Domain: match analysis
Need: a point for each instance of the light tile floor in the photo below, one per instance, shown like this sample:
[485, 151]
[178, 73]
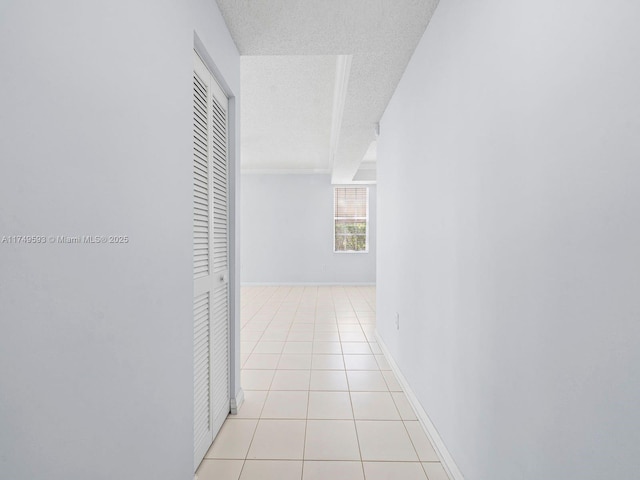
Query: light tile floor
[321, 402]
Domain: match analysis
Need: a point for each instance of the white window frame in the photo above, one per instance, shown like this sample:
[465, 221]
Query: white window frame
[333, 238]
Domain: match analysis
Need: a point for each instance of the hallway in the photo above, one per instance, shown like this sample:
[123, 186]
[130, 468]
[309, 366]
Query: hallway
[321, 401]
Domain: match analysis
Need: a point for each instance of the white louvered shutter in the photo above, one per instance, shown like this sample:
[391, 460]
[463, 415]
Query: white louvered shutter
[220, 257]
[210, 259]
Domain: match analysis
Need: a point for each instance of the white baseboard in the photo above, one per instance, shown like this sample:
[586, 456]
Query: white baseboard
[237, 402]
[285, 171]
[307, 284]
[427, 425]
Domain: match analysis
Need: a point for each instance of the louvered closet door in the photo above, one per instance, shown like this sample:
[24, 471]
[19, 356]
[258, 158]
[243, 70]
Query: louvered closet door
[210, 259]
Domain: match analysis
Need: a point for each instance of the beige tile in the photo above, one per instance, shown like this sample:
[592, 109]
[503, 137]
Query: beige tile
[426, 452]
[262, 361]
[271, 470]
[392, 381]
[300, 337]
[290, 305]
[330, 405]
[345, 308]
[219, 469]
[326, 321]
[366, 381]
[256, 379]
[404, 407]
[326, 337]
[348, 320]
[309, 312]
[303, 319]
[385, 441]
[291, 380]
[252, 405]
[363, 308]
[282, 324]
[349, 328]
[327, 470]
[295, 361]
[250, 336]
[286, 405]
[282, 321]
[278, 440]
[254, 326]
[331, 440]
[368, 321]
[356, 348]
[327, 362]
[353, 337]
[268, 347]
[298, 347]
[299, 326]
[360, 362]
[314, 320]
[382, 362]
[370, 335]
[394, 470]
[326, 327]
[435, 471]
[275, 335]
[325, 302]
[367, 329]
[374, 406]
[346, 312]
[233, 440]
[333, 380]
[327, 347]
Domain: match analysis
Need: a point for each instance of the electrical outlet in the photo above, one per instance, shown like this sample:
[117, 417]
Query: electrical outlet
[397, 321]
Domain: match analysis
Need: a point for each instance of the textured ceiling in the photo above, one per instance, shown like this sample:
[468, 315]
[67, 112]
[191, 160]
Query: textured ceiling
[288, 109]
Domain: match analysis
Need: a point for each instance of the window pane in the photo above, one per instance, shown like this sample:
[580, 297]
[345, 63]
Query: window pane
[350, 202]
[351, 218]
[350, 243]
[348, 226]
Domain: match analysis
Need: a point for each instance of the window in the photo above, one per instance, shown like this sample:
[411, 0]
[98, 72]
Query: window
[351, 219]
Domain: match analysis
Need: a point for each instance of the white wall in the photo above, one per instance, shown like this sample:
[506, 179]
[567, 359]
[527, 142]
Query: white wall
[95, 139]
[287, 232]
[509, 235]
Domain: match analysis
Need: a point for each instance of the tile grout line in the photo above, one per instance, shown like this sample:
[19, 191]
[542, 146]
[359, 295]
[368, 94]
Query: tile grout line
[362, 329]
[355, 425]
[263, 405]
[304, 437]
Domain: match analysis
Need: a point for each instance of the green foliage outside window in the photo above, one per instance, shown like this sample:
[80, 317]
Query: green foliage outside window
[351, 243]
[350, 219]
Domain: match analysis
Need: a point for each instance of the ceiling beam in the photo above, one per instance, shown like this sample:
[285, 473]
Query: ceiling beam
[343, 69]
